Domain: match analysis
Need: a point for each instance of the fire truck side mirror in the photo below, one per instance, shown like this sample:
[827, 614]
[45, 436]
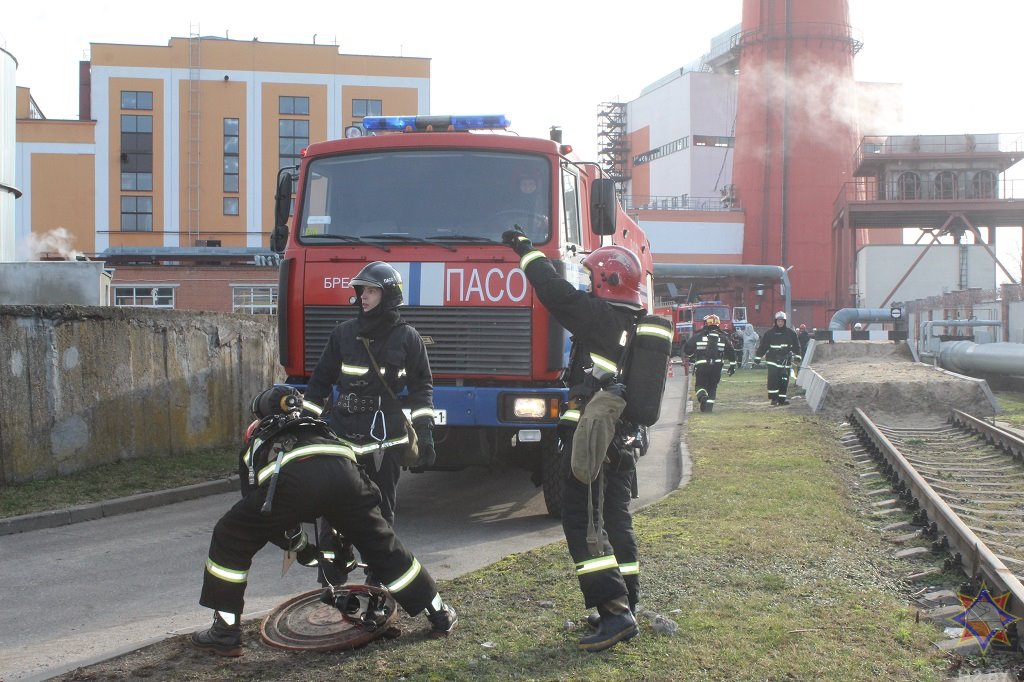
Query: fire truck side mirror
[603, 205]
[282, 209]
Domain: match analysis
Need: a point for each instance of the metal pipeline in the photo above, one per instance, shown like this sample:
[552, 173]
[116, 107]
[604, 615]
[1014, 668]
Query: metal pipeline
[967, 357]
[925, 342]
[846, 316]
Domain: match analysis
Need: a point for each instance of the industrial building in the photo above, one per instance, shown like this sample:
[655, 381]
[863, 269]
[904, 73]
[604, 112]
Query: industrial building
[168, 174]
[757, 155]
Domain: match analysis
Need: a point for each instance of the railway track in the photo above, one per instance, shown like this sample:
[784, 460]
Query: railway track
[964, 483]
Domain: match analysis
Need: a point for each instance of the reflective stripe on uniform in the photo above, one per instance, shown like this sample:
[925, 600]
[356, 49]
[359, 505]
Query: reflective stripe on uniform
[406, 578]
[654, 330]
[372, 447]
[529, 258]
[306, 451]
[226, 574]
[632, 568]
[599, 564]
[570, 416]
[603, 367]
[354, 370]
[422, 412]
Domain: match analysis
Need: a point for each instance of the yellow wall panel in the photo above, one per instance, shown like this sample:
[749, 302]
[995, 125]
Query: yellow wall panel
[64, 195]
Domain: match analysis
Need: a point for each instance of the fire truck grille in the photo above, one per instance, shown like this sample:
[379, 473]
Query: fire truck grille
[480, 341]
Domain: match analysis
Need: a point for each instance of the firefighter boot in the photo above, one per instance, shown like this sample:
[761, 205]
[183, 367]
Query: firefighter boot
[594, 619]
[443, 620]
[702, 398]
[221, 639]
[617, 625]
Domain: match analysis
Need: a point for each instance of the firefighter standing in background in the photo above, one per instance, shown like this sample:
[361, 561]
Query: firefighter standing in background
[750, 339]
[780, 350]
[600, 322]
[804, 337]
[355, 402]
[709, 349]
[307, 472]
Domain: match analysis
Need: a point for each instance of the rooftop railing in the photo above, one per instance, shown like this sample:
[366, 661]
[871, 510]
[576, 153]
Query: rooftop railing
[636, 202]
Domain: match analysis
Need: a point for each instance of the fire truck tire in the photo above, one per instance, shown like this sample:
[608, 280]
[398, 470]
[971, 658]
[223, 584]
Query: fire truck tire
[553, 483]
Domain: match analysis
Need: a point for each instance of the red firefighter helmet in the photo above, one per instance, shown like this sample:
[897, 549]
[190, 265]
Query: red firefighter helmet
[616, 275]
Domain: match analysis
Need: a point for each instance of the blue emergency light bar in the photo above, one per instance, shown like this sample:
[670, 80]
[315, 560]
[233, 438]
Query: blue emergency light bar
[420, 123]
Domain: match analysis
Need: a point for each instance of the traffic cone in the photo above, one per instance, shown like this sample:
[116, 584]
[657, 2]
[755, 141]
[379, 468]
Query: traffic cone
[670, 371]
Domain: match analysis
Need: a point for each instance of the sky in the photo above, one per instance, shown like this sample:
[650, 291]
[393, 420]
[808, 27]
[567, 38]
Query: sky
[553, 62]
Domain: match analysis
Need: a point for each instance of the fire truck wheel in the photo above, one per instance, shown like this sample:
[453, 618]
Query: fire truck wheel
[554, 484]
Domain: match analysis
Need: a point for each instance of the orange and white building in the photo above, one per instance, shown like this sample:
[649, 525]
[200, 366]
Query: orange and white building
[168, 175]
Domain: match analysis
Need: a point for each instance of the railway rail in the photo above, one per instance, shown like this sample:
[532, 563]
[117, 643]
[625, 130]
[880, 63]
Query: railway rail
[964, 483]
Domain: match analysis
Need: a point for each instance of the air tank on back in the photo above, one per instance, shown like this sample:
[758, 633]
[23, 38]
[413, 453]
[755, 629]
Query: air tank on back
[795, 140]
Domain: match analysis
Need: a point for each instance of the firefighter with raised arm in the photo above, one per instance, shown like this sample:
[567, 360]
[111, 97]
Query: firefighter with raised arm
[295, 470]
[780, 350]
[600, 321]
[710, 350]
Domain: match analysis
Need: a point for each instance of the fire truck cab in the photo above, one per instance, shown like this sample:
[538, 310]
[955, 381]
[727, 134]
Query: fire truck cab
[431, 195]
[691, 317]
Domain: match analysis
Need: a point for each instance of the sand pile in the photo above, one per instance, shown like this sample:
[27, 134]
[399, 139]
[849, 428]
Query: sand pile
[881, 378]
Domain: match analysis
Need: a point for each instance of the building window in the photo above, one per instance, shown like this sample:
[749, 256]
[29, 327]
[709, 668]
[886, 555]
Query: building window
[945, 185]
[713, 141]
[136, 214]
[908, 186]
[230, 205]
[366, 107]
[984, 185]
[133, 99]
[136, 153]
[137, 182]
[293, 137]
[231, 160]
[293, 105]
[257, 299]
[146, 295]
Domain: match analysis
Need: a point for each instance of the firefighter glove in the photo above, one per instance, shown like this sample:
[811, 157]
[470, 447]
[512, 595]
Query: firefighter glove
[732, 369]
[518, 240]
[427, 455]
[757, 362]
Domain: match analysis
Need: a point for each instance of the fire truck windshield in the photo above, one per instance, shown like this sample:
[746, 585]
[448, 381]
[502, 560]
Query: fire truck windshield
[409, 196]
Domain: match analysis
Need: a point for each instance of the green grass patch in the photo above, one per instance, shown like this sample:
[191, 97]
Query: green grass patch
[1012, 404]
[109, 481]
[763, 561]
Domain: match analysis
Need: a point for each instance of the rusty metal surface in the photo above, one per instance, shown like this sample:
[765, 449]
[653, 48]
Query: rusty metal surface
[304, 623]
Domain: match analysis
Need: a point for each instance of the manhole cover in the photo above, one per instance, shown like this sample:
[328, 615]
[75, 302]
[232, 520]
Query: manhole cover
[304, 623]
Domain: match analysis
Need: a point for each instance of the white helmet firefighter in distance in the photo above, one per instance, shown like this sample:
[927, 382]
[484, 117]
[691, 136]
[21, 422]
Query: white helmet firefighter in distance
[781, 315]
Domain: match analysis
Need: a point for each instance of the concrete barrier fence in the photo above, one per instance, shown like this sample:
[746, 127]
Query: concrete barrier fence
[82, 386]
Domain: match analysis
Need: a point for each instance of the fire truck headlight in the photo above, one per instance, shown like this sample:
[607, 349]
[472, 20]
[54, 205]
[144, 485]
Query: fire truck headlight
[529, 408]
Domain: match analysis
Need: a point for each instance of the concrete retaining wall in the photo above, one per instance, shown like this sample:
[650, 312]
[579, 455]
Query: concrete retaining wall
[82, 385]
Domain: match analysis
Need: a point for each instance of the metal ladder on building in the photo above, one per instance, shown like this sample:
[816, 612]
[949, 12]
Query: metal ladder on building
[193, 160]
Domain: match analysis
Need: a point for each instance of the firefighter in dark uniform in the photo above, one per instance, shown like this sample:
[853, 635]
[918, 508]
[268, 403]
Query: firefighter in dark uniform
[293, 471]
[710, 350]
[780, 350]
[354, 401]
[600, 322]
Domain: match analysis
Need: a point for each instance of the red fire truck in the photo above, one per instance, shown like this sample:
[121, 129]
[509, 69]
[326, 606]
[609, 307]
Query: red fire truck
[432, 199]
[691, 317]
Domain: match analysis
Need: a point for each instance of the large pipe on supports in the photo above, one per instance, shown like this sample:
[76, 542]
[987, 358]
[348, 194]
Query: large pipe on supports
[925, 339]
[765, 272]
[846, 316]
[967, 357]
